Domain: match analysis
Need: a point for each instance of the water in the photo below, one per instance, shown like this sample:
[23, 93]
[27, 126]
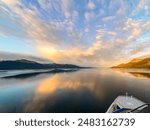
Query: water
[90, 90]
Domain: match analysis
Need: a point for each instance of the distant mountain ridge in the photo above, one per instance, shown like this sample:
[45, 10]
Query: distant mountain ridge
[27, 64]
[136, 63]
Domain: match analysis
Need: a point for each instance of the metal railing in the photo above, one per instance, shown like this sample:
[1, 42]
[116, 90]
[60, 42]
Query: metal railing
[142, 106]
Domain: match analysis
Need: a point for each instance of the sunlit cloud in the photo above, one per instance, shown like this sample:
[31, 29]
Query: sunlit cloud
[74, 55]
[15, 56]
[11, 2]
[93, 33]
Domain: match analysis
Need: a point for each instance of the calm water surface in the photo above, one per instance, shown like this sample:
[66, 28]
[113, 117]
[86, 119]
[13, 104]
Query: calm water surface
[91, 90]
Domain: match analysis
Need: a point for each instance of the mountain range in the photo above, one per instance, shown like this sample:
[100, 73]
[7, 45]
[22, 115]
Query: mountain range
[28, 64]
[136, 63]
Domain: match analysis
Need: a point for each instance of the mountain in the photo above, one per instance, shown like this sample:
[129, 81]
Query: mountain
[27, 64]
[136, 63]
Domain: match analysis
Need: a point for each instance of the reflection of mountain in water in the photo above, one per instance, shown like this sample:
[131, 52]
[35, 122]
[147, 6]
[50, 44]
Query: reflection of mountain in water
[37, 68]
[140, 74]
[32, 74]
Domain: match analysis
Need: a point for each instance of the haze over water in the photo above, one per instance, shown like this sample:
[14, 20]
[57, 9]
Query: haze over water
[87, 90]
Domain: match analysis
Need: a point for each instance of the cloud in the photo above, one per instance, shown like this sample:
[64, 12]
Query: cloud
[112, 33]
[73, 34]
[89, 15]
[11, 2]
[67, 7]
[86, 30]
[135, 28]
[40, 31]
[139, 48]
[16, 56]
[122, 41]
[91, 5]
[94, 33]
[140, 6]
[9, 22]
[75, 55]
[108, 18]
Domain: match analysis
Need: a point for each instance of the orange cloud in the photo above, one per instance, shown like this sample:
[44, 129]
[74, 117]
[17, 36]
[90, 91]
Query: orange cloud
[75, 55]
[10, 2]
[109, 47]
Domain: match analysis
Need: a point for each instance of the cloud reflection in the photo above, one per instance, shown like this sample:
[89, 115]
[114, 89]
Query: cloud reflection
[54, 83]
[59, 87]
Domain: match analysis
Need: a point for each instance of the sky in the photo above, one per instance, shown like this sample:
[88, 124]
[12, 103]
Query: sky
[82, 32]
